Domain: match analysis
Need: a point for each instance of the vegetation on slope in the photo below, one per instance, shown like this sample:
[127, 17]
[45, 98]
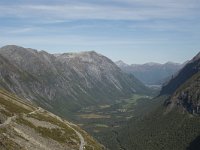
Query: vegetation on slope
[158, 130]
[24, 125]
[104, 121]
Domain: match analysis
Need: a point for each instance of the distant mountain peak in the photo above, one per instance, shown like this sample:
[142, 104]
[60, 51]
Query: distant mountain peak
[78, 54]
[120, 63]
[152, 64]
[84, 57]
[197, 57]
[171, 63]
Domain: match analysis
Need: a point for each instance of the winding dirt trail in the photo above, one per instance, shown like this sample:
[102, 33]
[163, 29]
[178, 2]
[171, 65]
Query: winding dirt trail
[7, 122]
[69, 124]
[82, 141]
[35, 111]
[82, 145]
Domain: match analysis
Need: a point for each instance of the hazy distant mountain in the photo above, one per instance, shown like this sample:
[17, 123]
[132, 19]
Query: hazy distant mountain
[64, 82]
[151, 73]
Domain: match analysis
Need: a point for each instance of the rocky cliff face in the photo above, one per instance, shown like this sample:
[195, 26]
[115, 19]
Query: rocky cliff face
[185, 88]
[188, 95]
[64, 82]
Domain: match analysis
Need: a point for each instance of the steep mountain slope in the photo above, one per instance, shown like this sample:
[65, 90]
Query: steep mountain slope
[64, 82]
[151, 73]
[172, 120]
[185, 88]
[23, 126]
[187, 95]
[190, 69]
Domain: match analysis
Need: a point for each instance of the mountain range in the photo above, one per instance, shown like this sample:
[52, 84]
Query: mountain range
[105, 99]
[66, 82]
[151, 73]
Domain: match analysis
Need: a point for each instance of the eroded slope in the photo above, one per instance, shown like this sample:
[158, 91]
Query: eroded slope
[25, 126]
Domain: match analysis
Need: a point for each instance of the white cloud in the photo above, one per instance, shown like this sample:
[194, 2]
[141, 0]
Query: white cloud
[134, 10]
[21, 30]
[56, 25]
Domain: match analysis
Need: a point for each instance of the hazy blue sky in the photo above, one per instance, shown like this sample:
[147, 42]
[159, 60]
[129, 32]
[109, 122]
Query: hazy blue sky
[135, 31]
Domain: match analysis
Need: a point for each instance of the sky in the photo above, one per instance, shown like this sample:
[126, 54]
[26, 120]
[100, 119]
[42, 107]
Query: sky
[135, 31]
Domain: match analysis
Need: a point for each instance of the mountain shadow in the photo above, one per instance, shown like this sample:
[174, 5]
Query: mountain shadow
[195, 144]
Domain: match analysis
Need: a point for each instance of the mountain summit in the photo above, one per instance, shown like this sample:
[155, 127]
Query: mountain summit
[120, 63]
